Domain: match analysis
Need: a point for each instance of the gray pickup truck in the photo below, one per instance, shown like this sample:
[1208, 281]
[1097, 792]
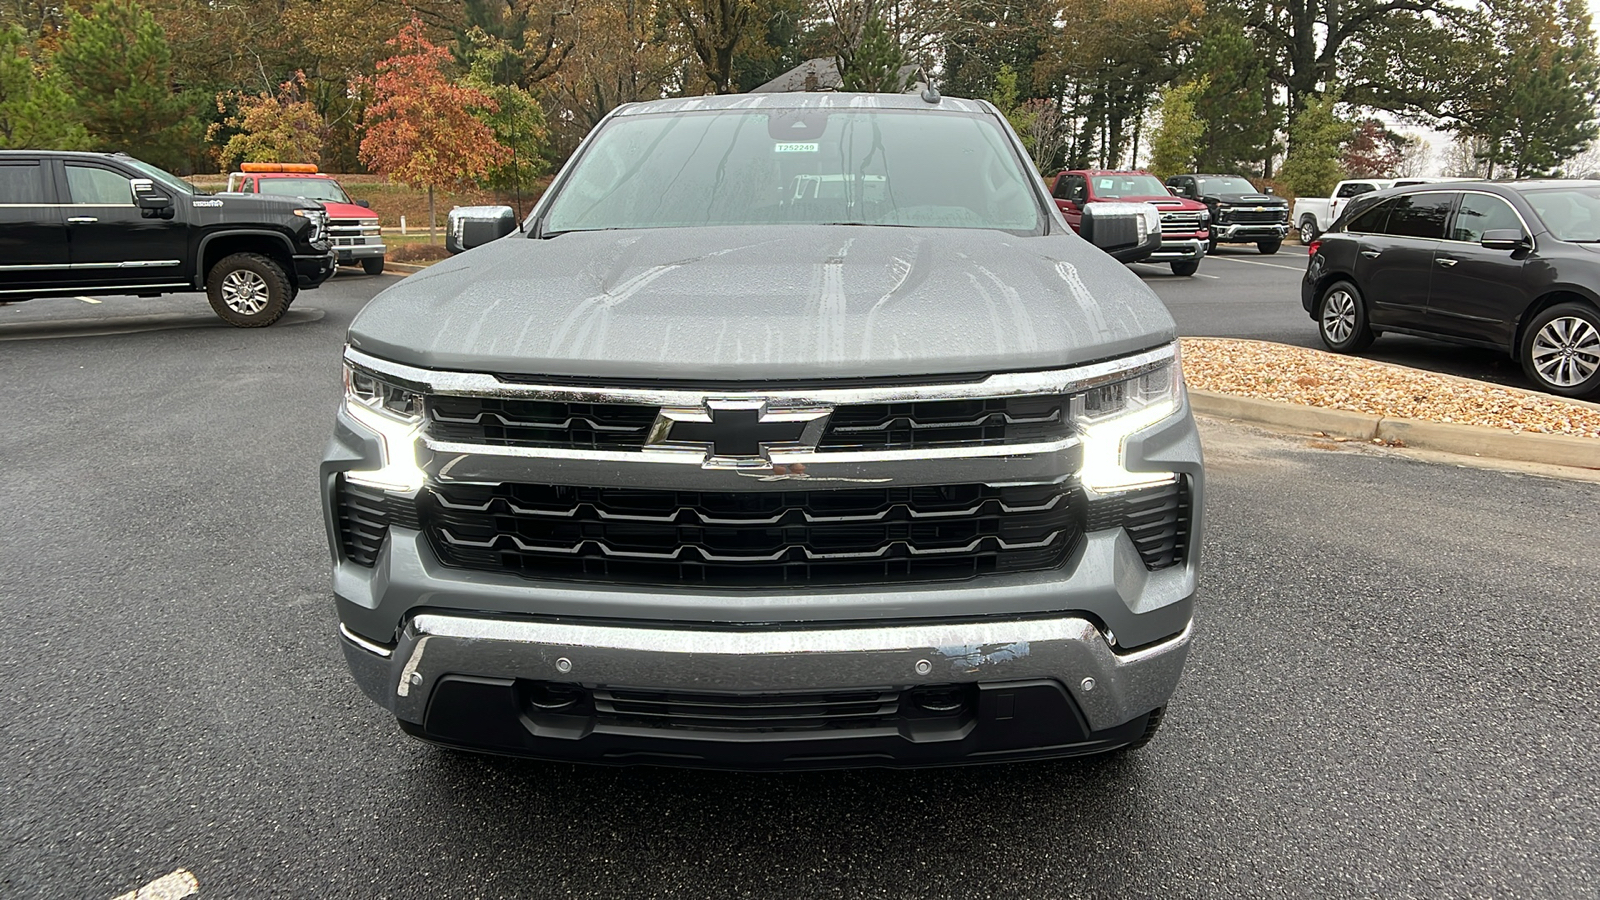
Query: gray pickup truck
[788, 431]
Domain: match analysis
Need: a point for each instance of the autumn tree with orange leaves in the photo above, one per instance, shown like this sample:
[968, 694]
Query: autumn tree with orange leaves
[421, 129]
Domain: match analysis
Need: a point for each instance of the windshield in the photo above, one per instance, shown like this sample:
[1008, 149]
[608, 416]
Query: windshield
[797, 166]
[1227, 186]
[166, 179]
[1110, 187]
[1571, 214]
[304, 188]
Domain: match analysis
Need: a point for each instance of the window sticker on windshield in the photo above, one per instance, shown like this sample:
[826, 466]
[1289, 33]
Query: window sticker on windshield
[794, 148]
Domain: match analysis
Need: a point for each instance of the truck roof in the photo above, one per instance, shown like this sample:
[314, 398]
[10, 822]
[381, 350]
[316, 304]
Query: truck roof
[803, 100]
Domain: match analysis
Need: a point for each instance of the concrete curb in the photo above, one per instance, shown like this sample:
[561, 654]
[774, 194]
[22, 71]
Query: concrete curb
[1467, 440]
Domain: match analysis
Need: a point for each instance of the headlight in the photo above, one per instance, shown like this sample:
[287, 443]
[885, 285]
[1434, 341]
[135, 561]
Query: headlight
[319, 222]
[1205, 216]
[1108, 414]
[395, 415]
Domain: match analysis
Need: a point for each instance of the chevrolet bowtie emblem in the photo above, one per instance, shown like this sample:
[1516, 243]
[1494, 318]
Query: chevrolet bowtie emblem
[738, 433]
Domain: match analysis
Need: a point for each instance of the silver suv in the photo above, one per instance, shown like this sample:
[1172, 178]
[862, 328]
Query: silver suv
[788, 431]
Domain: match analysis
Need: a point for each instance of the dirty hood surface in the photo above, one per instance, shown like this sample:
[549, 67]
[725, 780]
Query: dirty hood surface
[762, 303]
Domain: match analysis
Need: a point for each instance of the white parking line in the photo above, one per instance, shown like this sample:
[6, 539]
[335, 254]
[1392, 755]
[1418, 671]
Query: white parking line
[172, 886]
[1251, 262]
[87, 300]
[1196, 275]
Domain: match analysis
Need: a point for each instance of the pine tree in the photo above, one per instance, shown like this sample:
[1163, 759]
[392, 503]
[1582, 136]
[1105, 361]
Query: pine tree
[875, 66]
[1543, 110]
[1316, 142]
[118, 68]
[35, 113]
[1177, 140]
[1236, 105]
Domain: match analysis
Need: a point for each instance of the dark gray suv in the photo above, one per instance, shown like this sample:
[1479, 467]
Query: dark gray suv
[1512, 266]
[789, 431]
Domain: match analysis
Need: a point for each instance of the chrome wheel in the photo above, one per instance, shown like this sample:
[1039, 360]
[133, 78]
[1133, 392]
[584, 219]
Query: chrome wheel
[244, 292]
[1566, 351]
[1308, 232]
[1338, 316]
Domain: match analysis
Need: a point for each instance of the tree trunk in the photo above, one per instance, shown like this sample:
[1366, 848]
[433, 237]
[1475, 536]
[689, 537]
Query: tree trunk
[433, 235]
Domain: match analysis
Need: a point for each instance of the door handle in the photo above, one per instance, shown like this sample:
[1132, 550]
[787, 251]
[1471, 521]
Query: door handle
[1447, 262]
[82, 220]
[1371, 254]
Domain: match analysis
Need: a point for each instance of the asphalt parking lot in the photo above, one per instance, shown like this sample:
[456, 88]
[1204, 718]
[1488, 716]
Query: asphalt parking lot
[1391, 692]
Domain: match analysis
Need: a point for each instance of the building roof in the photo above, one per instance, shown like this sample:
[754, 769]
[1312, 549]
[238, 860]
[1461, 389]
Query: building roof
[822, 74]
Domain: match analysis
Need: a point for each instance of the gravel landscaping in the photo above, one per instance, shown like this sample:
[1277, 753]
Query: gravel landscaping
[1291, 374]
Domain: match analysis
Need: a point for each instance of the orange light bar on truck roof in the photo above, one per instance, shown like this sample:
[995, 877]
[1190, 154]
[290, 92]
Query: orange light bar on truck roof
[296, 168]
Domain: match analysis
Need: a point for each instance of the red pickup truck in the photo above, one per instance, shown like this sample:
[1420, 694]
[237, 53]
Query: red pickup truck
[353, 227]
[1184, 223]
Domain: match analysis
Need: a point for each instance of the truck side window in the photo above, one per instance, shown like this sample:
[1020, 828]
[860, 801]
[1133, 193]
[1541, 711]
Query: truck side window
[248, 186]
[1355, 189]
[94, 186]
[21, 183]
[1063, 188]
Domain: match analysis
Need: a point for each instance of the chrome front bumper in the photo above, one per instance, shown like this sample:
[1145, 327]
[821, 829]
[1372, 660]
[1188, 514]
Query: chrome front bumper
[1109, 687]
[360, 251]
[1189, 248]
[1249, 232]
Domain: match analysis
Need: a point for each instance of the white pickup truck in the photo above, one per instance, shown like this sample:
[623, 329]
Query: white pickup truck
[1313, 215]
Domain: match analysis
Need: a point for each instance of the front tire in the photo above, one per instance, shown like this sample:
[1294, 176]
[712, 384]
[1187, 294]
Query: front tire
[1560, 351]
[1185, 267]
[1267, 248]
[372, 265]
[1342, 319]
[248, 290]
[1308, 230]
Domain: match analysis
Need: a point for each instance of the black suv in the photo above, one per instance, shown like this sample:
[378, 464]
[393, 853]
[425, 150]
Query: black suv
[1510, 266]
[100, 223]
[1240, 214]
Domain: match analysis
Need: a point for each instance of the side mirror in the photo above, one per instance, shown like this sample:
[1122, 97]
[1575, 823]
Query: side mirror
[152, 203]
[1504, 239]
[1266, 190]
[474, 226]
[364, 204]
[1128, 232]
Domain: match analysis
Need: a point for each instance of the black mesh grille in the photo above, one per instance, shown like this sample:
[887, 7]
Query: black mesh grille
[539, 423]
[947, 423]
[365, 515]
[1157, 519]
[1269, 216]
[747, 712]
[754, 538]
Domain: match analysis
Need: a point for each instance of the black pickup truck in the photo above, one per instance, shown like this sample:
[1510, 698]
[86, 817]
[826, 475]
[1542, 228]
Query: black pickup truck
[1240, 214]
[101, 223]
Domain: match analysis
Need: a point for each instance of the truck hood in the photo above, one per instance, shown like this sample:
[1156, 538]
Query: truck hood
[766, 302]
[348, 211]
[1166, 202]
[1250, 199]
